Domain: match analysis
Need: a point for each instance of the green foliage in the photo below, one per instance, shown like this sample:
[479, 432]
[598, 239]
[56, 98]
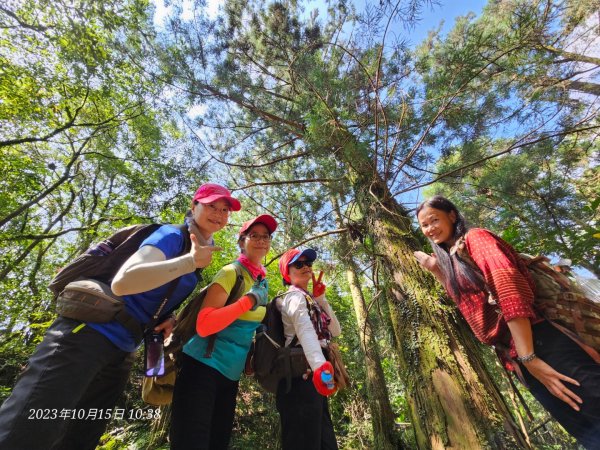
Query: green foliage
[83, 151]
[536, 191]
[91, 139]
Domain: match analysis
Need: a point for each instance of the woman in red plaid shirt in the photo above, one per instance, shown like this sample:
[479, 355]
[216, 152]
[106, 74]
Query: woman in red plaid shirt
[496, 299]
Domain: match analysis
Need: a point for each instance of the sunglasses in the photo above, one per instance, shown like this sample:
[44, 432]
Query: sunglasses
[301, 264]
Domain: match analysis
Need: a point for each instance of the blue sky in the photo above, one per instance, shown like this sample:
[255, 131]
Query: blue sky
[431, 16]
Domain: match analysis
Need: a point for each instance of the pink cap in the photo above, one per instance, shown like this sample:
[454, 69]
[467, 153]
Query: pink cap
[267, 220]
[210, 192]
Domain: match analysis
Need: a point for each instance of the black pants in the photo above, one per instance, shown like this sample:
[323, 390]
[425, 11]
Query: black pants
[305, 420]
[203, 407]
[566, 357]
[66, 395]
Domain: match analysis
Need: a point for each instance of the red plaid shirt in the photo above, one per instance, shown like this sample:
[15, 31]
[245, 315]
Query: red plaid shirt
[509, 282]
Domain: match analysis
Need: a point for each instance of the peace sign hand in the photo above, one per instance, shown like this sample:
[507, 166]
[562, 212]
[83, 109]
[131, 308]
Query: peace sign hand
[318, 287]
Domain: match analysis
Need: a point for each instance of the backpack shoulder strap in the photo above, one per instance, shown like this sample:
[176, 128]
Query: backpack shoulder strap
[235, 294]
[238, 287]
[187, 241]
[294, 340]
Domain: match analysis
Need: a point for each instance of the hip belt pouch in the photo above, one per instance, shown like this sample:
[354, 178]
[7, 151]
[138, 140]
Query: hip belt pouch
[89, 301]
[291, 359]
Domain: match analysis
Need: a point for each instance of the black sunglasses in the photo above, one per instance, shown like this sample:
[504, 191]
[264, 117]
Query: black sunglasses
[301, 264]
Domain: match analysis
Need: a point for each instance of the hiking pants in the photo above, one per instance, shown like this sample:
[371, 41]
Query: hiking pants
[65, 396]
[305, 420]
[566, 357]
[203, 407]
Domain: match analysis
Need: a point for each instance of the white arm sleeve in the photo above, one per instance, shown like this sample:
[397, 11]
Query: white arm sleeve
[295, 313]
[147, 269]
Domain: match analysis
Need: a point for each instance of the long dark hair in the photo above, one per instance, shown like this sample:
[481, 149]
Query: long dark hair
[460, 277]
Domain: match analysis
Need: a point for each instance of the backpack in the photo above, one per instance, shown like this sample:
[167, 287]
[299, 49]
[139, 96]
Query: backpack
[158, 391]
[82, 288]
[560, 301]
[556, 298]
[269, 358]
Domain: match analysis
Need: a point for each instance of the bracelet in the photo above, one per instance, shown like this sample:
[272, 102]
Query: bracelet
[526, 359]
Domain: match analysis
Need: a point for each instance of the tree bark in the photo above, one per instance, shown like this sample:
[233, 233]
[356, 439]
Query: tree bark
[385, 435]
[454, 402]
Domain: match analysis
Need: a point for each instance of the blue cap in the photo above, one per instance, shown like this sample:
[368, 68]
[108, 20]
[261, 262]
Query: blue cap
[309, 253]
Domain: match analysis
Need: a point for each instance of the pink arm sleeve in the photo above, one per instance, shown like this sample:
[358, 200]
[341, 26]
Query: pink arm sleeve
[212, 320]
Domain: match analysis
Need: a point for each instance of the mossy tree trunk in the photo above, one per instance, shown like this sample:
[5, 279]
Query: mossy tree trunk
[454, 402]
[385, 435]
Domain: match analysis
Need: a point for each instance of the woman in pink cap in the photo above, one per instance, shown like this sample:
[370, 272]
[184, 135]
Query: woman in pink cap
[83, 366]
[205, 391]
[308, 321]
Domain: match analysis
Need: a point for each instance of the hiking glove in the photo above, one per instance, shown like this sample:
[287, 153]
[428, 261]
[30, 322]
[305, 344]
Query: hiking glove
[260, 292]
[323, 380]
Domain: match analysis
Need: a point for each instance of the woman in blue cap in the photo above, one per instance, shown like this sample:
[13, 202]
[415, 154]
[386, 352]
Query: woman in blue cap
[308, 321]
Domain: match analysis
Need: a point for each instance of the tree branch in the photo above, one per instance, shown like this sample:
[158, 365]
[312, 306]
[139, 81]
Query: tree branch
[508, 150]
[278, 183]
[312, 238]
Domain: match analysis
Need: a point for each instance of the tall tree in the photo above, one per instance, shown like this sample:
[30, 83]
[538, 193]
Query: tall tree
[290, 89]
[385, 435]
[83, 149]
[523, 79]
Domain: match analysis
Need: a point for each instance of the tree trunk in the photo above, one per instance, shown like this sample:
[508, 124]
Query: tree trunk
[385, 435]
[454, 402]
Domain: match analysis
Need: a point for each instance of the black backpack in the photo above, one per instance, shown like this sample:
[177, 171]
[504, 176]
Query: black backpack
[102, 261]
[270, 359]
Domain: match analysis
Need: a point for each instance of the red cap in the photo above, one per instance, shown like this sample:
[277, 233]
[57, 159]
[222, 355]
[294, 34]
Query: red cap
[267, 220]
[291, 256]
[210, 192]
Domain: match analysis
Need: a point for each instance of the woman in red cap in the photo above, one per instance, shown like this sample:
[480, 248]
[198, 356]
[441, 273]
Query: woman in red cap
[84, 367]
[308, 321]
[205, 392]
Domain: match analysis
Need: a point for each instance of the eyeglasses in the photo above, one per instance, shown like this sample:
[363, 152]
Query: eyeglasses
[301, 264]
[259, 237]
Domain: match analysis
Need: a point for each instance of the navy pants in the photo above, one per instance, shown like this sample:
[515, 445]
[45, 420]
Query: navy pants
[65, 397]
[203, 407]
[305, 420]
[566, 357]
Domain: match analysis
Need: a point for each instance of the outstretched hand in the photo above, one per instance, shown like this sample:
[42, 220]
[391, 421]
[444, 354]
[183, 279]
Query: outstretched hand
[428, 262]
[202, 254]
[553, 381]
[318, 287]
